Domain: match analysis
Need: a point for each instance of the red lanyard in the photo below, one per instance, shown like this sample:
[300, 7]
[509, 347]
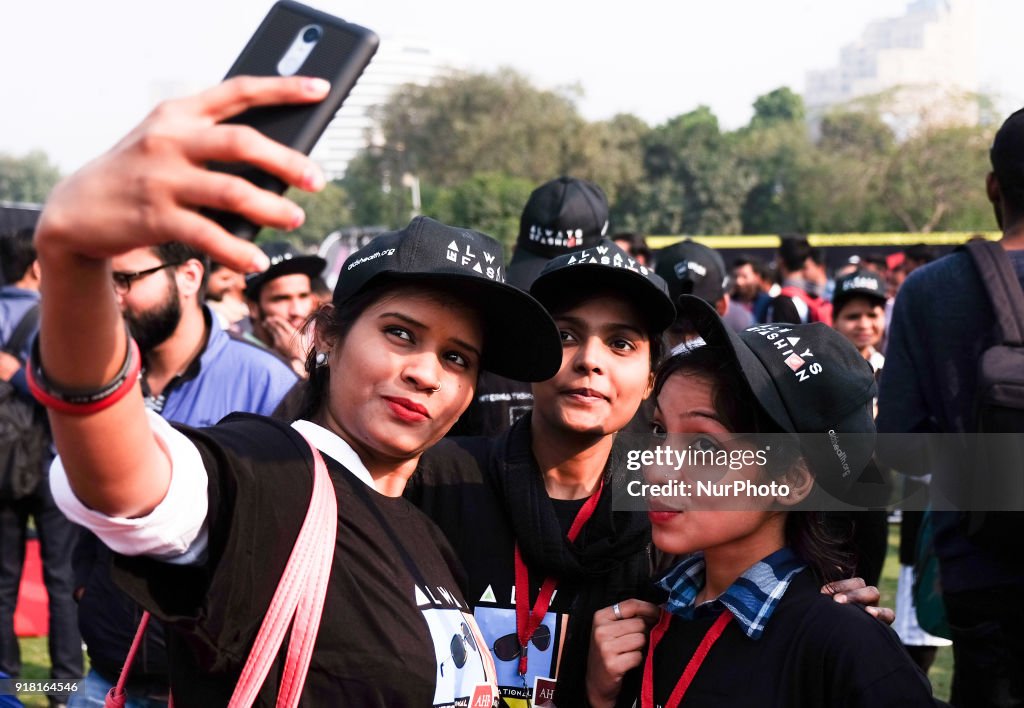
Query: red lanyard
[647, 690]
[528, 620]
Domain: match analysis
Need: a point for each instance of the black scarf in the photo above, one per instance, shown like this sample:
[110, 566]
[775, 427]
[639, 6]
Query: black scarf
[609, 562]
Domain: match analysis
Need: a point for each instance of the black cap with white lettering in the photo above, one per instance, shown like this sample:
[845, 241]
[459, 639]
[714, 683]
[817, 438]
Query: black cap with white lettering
[691, 268]
[606, 265]
[520, 340]
[285, 259]
[860, 283]
[560, 216]
[808, 378]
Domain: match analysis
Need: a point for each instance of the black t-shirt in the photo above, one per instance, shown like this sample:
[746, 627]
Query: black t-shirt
[394, 611]
[814, 652]
[485, 494]
[497, 404]
[450, 485]
[566, 511]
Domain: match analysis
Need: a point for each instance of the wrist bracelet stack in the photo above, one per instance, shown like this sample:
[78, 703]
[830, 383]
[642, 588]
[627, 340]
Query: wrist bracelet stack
[83, 401]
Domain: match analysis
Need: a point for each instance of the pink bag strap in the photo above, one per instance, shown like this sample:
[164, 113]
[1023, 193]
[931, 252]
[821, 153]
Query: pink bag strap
[117, 697]
[300, 595]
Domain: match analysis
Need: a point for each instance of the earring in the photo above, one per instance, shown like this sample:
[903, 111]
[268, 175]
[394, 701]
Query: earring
[321, 359]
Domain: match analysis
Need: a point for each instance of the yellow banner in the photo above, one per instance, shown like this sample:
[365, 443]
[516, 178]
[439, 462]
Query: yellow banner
[946, 238]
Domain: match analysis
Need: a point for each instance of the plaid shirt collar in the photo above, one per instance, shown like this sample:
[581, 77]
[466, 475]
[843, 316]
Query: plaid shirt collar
[752, 598]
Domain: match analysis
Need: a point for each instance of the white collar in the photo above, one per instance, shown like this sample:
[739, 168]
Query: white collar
[337, 449]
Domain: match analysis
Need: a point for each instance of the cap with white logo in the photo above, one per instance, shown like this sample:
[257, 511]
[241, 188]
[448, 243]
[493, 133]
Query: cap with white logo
[520, 340]
[808, 378]
[561, 215]
[860, 283]
[285, 259]
[691, 268]
[605, 265]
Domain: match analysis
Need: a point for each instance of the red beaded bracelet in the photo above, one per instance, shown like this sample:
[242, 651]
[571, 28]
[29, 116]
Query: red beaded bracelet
[83, 402]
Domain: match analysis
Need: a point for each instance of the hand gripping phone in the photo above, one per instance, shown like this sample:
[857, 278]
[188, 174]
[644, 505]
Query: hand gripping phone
[295, 40]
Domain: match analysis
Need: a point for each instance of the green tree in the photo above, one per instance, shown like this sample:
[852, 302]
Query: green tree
[840, 189]
[692, 182]
[372, 198]
[466, 123]
[489, 202]
[855, 133]
[936, 179]
[326, 211]
[613, 153]
[775, 148]
[27, 179]
[779, 106]
[775, 155]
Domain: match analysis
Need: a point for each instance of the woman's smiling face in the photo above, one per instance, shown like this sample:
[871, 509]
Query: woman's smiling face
[605, 372]
[403, 374]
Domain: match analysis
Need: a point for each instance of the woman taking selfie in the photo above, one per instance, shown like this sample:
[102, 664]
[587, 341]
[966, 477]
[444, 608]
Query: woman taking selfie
[205, 520]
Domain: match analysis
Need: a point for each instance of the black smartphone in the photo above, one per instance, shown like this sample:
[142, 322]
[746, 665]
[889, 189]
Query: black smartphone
[294, 39]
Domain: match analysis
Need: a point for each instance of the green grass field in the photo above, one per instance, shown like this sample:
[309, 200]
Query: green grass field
[36, 661]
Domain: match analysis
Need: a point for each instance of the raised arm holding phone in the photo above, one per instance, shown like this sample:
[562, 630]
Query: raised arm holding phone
[204, 520]
[143, 192]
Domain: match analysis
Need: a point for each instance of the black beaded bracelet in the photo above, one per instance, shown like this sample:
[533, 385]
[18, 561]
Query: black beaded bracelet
[83, 401]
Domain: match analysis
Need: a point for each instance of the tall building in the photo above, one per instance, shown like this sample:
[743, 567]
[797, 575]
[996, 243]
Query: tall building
[398, 61]
[929, 54]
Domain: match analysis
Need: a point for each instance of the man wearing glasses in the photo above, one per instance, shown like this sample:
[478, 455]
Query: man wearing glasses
[194, 373]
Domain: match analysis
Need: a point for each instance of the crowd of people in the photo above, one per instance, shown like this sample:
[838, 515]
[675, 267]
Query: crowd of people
[472, 422]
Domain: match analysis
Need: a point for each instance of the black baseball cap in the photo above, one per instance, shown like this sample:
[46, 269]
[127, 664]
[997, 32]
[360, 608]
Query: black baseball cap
[520, 340]
[691, 268]
[285, 259]
[808, 379]
[560, 216]
[605, 264]
[860, 283]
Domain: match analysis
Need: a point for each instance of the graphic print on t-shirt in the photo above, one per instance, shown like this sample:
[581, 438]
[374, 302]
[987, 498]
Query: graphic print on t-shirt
[463, 661]
[498, 626]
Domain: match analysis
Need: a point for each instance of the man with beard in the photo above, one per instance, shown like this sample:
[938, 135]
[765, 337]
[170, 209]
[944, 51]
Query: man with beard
[194, 373]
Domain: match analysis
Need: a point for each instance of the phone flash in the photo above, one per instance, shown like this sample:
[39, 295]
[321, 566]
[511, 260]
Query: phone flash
[296, 54]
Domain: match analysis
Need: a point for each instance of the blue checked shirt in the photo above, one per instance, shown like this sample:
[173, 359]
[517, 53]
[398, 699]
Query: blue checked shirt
[752, 598]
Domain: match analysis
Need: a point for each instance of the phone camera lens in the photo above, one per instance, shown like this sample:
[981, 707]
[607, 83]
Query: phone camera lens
[311, 34]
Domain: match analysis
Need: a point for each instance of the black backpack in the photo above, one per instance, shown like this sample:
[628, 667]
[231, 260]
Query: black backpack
[998, 446]
[24, 434]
